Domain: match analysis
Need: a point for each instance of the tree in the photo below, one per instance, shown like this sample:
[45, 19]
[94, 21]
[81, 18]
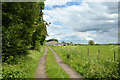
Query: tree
[71, 43]
[52, 40]
[20, 22]
[91, 42]
[68, 44]
[63, 42]
[75, 44]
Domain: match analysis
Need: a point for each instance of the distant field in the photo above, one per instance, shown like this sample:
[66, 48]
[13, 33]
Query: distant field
[95, 61]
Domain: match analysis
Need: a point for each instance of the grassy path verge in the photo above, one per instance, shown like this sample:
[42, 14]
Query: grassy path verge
[36, 56]
[52, 68]
[22, 66]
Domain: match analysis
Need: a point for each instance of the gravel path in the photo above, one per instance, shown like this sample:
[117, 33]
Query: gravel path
[72, 73]
[41, 70]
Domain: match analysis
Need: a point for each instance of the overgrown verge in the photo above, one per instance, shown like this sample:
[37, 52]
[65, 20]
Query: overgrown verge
[52, 68]
[22, 66]
[92, 66]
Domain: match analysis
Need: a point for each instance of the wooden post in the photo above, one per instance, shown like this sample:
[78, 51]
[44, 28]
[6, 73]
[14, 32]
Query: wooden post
[98, 54]
[88, 52]
[114, 55]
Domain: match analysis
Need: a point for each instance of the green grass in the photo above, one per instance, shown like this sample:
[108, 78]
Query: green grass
[89, 66]
[35, 55]
[52, 68]
[22, 66]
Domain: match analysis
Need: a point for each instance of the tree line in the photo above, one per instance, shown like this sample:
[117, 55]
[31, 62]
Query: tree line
[23, 27]
[90, 42]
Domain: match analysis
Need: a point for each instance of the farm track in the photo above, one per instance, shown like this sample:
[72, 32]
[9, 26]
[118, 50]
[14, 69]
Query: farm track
[41, 69]
[72, 73]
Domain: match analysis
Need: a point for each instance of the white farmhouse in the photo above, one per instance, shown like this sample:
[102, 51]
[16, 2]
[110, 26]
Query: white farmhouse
[54, 43]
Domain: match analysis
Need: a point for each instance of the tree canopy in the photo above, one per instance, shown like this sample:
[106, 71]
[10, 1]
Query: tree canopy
[91, 42]
[22, 27]
[52, 40]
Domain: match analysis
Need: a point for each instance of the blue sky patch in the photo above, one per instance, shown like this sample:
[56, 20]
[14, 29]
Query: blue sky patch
[62, 6]
[57, 23]
[47, 8]
[73, 3]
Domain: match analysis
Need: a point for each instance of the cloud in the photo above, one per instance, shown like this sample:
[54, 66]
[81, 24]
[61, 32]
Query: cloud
[85, 21]
[101, 0]
[51, 3]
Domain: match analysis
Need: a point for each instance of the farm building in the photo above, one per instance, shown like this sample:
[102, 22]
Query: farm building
[54, 43]
[60, 44]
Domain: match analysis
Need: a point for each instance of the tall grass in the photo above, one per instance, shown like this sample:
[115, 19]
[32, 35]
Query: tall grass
[92, 66]
[22, 66]
[52, 68]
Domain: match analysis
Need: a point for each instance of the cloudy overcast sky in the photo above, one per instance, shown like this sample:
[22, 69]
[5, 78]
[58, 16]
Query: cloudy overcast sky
[79, 21]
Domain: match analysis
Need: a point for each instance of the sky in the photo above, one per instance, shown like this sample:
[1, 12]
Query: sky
[79, 21]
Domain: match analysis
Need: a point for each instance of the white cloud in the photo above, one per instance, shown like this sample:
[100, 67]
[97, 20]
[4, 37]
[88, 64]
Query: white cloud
[110, 21]
[89, 38]
[51, 3]
[114, 15]
[80, 23]
[101, 0]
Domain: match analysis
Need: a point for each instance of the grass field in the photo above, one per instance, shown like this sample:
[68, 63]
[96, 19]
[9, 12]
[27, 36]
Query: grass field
[99, 64]
[52, 68]
[22, 66]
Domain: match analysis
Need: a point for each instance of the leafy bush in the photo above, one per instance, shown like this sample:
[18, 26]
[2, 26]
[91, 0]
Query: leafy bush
[22, 66]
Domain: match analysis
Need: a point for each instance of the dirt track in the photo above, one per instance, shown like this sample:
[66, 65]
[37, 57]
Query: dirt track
[72, 73]
[41, 70]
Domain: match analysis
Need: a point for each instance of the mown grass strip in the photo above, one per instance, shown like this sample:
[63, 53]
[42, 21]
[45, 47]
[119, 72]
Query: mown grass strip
[53, 69]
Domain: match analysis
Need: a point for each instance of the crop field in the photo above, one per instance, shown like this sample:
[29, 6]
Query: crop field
[97, 61]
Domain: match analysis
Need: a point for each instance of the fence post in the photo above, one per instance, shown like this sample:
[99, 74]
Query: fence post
[88, 52]
[98, 54]
[114, 55]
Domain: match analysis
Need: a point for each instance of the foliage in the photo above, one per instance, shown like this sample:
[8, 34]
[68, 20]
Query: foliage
[71, 43]
[63, 42]
[90, 66]
[91, 42]
[53, 69]
[39, 36]
[22, 66]
[20, 22]
[52, 40]
[68, 44]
